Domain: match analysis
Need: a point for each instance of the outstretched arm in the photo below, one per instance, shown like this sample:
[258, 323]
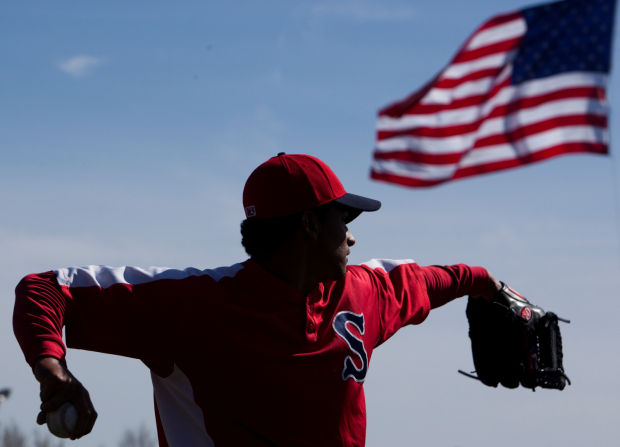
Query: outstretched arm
[123, 311]
[445, 283]
[38, 320]
[407, 291]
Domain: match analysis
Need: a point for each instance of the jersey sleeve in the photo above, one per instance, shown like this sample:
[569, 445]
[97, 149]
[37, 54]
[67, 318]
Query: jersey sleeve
[407, 291]
[125, 311]
[38, 317]
[445, 283]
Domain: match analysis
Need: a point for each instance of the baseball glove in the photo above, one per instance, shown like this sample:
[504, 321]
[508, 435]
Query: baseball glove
[515, 342]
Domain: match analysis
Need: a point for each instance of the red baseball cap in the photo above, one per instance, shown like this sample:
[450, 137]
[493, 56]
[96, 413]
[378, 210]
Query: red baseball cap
[290, 183]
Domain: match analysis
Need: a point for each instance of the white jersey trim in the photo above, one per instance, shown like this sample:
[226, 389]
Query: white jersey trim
[182, 419]
[387, 264]
[105, 276]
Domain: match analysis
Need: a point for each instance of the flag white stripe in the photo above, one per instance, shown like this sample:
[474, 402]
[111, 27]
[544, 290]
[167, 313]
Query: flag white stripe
[420, 171]
[494, 126]
[491, 154]
[534, 143]
[439, 95]
[505, 31]
[447, 95]
[466, 115]
[458, 70]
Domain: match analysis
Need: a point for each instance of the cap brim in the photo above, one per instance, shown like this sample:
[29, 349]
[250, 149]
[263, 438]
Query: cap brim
[358, 204]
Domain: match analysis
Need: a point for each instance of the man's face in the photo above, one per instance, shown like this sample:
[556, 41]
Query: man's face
[333, 242]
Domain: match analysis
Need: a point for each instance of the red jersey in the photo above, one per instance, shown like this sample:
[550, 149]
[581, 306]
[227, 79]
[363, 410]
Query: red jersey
[237, 356]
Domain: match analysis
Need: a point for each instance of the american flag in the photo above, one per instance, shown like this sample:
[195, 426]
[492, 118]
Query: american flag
[525, 86]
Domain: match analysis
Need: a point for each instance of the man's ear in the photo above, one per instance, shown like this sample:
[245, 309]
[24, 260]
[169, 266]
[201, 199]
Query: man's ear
[310, 224]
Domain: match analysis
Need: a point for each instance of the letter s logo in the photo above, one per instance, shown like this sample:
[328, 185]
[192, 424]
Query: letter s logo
[356, 345]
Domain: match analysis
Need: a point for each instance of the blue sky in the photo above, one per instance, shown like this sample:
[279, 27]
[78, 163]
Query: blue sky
[127, 131]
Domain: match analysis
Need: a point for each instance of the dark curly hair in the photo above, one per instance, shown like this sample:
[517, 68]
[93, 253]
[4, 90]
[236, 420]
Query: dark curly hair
[262, 237]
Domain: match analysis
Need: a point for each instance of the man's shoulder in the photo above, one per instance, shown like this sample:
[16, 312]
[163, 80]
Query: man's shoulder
[105, 276]
[380, 265]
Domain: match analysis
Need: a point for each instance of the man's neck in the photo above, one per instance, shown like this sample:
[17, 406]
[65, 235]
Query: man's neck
[292, 269]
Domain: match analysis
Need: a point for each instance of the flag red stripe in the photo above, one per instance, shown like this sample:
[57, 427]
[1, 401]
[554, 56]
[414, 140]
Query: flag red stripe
[448, 83]
[592, 92]
[493, 22]
[398, 108]
[473, 100]
[552, 151]
[561, 149]
[499, 19]
[477, 53]
[415, 155]
[502, 110]
[420, 157]
[404, 181]
[541, 126]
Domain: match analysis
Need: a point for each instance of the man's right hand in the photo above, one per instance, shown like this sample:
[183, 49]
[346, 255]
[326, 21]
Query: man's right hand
[58, 386]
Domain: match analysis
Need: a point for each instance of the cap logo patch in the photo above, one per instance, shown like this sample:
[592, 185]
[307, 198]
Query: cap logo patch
[250, 211]
[526, 314]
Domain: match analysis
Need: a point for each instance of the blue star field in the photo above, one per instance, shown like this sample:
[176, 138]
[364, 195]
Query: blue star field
[565, 36]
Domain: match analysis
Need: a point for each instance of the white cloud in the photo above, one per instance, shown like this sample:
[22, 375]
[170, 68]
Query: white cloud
[80, 65]
[363, 10]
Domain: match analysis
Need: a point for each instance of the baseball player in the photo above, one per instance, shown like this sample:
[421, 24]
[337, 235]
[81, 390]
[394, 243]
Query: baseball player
[271, 351]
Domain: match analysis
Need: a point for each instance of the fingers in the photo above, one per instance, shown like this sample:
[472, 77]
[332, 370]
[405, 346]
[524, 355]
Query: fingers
[85, 424]
[80, 398]
[86, 415]
[75, 393]
[490, 289]
[52, 403]
[496, 285]
[58, 386]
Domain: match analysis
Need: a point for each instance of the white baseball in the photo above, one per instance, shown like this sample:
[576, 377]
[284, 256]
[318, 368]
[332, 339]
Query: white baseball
[62, 422]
